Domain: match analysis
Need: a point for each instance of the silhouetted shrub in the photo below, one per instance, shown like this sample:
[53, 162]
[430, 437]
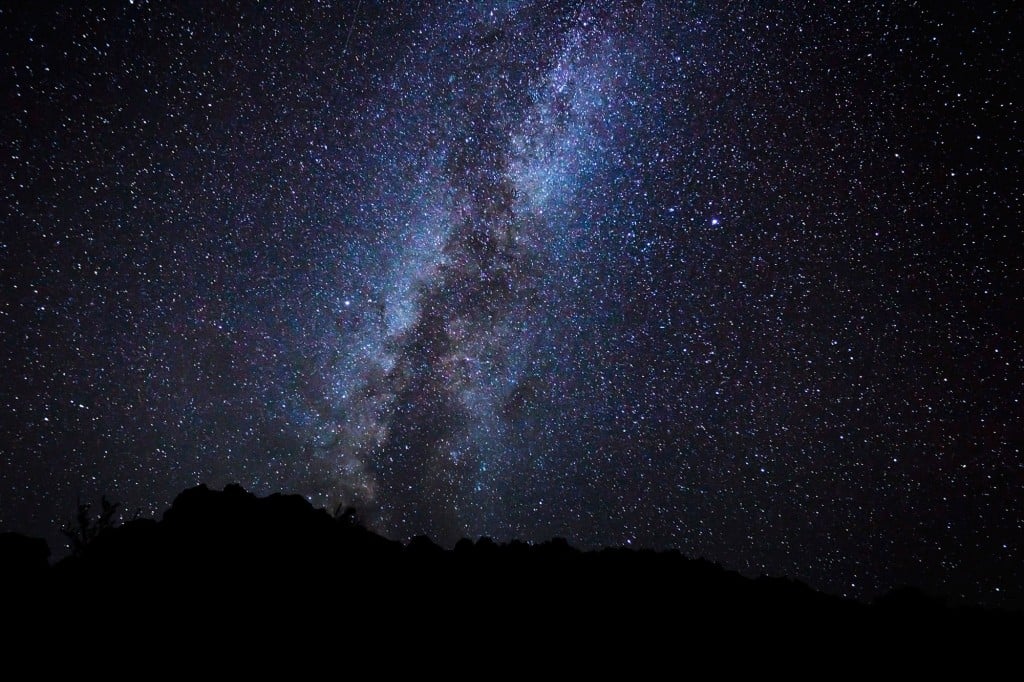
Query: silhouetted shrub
[83, 530]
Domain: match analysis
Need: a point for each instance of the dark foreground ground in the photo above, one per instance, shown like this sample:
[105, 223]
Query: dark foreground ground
[218, 559]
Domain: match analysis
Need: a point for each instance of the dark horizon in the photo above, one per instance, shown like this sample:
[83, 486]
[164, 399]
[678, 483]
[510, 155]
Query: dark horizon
[210, 539]
[738, 279]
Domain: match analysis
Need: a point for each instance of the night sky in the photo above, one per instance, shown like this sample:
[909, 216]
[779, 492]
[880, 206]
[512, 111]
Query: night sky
[738, 278]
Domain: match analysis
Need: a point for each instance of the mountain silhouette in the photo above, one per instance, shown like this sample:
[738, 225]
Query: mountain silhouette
[279, 553]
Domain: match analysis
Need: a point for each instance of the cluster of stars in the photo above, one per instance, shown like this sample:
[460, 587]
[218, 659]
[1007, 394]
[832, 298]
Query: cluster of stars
[737, 280]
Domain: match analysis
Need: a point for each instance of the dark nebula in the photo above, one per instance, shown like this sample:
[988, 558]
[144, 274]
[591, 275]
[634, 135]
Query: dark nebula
[737, 278]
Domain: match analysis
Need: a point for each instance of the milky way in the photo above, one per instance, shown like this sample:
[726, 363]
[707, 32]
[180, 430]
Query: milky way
[731, 278]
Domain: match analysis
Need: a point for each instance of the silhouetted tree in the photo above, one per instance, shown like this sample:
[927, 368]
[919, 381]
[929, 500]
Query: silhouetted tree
[348, 517]
[83, 529]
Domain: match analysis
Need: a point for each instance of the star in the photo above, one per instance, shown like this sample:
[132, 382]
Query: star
[458, 266]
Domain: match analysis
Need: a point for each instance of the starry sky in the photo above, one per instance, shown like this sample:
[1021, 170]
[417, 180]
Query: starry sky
[737, 278]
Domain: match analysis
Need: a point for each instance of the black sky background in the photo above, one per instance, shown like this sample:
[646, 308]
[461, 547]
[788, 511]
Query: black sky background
[741, 279]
